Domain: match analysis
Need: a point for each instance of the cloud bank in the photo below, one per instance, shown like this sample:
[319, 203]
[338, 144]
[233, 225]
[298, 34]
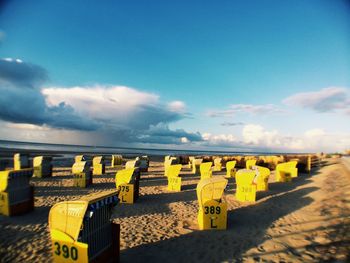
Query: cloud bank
[126, 113]
[245, 108]
[324, 100]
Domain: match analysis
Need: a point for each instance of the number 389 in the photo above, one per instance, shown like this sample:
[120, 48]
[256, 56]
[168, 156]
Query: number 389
[66, 252]
[212, 210]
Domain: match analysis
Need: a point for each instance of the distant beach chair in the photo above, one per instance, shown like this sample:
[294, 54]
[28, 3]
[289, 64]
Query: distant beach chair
[246, 188]
[144, 163]
[20, 161]
[286, 171]
[168, 162]
[82, 230]
[212, 212]
[250, 163]
[230, 169]
[190, 161]
[218, 164]
[205, 170]
[196, 165]
[174, 180]
[80, 158]
[132, 164]
[127, 182]
[261, 178]
[16, 193]
[81, 174]
[98, 164]
[117, 161]
[42, 166]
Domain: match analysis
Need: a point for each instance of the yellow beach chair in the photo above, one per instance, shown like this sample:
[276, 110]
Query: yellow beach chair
[262, 178]
[98, 165]
[286, 171]
[196, 165]
[127, 182]
[80, 158]
[174, 180]
[81, 174]
[82, 230]
[205, 170]
[246, 188]
[167, 163]
[230, 169]
[218, 164]
[42, 166]
[16, 193]
[250, 163]
[212, 212]
[117, 161]
[20, 161]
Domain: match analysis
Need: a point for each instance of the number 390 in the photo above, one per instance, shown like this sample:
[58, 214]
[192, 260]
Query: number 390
[64, 250]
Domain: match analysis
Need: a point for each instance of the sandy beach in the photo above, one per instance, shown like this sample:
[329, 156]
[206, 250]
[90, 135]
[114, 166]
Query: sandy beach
[307, 220]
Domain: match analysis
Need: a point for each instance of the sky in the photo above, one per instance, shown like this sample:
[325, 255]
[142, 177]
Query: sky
[214, 75]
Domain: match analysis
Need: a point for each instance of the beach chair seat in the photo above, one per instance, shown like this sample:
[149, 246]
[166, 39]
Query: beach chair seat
[20, 161]
[16, 193]
[82, 230]
[262, 178]
[81, 174]
[205, 170]
[217, 164]
[127, 182]
[212, 212]
[117, 161]
[250, 163]
[230, 169]
[42, 166]
[143, 163]
[98, 165]
[246, 188]
[196, 163]
[286, 171]
[174, 180]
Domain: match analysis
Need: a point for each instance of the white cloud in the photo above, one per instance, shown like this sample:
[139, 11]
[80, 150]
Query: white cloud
[184, 140]
[324, 100]
[224, 140]
[314, 133]
[245, 108]
[256, 134]
[314, 140]
[177, 106]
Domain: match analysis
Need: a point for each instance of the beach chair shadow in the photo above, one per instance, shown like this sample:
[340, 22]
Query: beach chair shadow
[244, 231]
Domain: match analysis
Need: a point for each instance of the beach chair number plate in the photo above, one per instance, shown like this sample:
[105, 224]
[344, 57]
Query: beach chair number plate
[212, 210]
[174, 184]
[126, 193]
[69, 252]
[213, 216]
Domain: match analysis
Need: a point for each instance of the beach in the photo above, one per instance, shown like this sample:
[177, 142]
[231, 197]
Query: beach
[306, 220]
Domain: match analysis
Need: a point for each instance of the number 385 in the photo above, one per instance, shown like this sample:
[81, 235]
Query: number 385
[212, 209]
[66, 252]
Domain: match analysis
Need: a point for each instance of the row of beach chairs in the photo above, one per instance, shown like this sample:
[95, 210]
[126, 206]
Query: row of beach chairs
[82, 230]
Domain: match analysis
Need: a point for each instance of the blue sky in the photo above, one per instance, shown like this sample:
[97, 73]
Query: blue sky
[195, 74]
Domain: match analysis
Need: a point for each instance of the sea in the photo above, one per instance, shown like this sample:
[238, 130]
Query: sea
[70, 149]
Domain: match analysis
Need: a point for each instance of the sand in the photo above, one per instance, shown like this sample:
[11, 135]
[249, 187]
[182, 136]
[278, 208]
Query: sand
[307, 220]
